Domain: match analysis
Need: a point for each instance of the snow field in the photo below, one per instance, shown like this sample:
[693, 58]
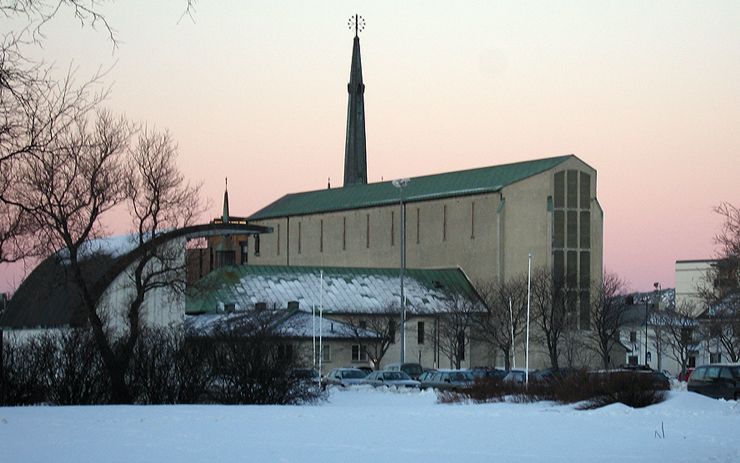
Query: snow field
[375, 425]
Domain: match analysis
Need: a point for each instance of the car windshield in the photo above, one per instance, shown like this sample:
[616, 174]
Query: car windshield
[395, 375]
[735, 371]
[412, 369]
[352, 374]
[460, 376]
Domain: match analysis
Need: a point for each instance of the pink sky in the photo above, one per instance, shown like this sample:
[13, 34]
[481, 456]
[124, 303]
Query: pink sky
[648, 93]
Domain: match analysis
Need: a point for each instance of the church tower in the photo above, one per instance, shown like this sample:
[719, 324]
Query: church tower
[225, 215]
[355, 152]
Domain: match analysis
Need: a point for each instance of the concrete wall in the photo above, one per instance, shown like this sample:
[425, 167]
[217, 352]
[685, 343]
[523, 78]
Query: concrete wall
[488, 235]
[690, 276]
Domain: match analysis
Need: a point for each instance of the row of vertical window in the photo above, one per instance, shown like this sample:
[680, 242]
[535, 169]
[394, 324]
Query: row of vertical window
[367, 229]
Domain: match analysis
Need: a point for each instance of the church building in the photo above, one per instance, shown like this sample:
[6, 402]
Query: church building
[485, 221]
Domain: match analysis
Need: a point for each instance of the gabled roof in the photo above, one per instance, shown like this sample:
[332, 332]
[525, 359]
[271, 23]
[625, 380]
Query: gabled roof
[464, 182]
[346, 290]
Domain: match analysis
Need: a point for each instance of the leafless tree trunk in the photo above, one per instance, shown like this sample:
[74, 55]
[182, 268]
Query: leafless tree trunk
[721, 288]
[679, 331]
[506, 314]
[454, 328]
[549, 304]
[159, 198]
[608, 308]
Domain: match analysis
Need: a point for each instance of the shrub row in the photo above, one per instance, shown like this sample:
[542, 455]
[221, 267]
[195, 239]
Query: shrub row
[586, 389]
[66, 368]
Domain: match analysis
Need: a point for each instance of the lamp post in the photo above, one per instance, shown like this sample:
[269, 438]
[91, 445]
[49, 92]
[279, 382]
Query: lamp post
[656, 332]
[647, 303]
[401, 183]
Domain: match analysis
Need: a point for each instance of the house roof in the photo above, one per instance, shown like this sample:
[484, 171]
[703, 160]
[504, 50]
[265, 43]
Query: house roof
[346, 290]
[464, 182]
[49, 297]
[294, 324]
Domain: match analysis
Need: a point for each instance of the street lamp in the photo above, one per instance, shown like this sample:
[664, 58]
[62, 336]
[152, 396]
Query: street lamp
[401, 183]
[656, 332]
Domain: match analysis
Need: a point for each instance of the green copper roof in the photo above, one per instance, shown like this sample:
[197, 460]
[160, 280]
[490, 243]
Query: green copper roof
[345, 289]
[464, 182]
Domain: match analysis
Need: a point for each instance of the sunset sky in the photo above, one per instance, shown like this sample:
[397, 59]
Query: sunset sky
[648, 93]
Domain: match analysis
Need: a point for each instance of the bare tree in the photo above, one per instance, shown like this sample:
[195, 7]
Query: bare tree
[720, 291]
[679, 332]
[454, 326]
[374, 333]
[549, 304]
[159, 198]
[506, 313]
[66, 189]
[35, 107]
[608, 309]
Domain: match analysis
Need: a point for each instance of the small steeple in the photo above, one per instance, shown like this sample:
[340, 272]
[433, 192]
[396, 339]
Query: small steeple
[355, 151]
[225, 216]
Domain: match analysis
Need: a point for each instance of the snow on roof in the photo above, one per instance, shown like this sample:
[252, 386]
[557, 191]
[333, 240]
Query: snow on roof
[295, 324]
[113, 246]
[339, 290]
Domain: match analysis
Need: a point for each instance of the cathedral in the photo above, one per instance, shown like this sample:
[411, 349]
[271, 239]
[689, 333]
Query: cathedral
[485, 221]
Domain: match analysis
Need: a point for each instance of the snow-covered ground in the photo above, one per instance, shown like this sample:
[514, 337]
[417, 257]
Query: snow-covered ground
[366, 425]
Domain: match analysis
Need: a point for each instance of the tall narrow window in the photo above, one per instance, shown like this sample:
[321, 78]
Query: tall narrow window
[299, 237]
[420, 332]
[393, 228]
[572, 229]
[585, 190]
[444, 222]
[321, 236]
[418, 225]
[256, 245]
[367, 231]
[560, 189]
[472, 220]
[344, 233]
[572, 188]
[278, 239]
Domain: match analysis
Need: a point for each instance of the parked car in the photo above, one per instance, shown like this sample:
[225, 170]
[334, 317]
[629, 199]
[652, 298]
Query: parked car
[391, 379]
[307, 377]
[428, 372]
[487, 373]
[364, 368]
[551, 375]
[345, 377]
[721, 381]
[414, 370]
[518, 376]
[448, 379]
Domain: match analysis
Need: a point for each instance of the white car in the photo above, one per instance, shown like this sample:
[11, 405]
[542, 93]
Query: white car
[391, 379]
[345, 377]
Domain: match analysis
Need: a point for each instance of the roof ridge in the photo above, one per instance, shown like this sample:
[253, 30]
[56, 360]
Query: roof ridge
[432, 186]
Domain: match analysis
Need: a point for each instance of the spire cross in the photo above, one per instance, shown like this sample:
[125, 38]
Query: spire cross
[357, 23]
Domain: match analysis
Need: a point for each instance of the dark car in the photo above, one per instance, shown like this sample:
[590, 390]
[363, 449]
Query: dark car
[721, 381]
[448, 379]
[483, 373]
[414, 370]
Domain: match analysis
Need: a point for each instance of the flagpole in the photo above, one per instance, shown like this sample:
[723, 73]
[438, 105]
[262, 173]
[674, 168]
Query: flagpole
[313, 332]
[529, 291]
[511, 321]
[321, 321]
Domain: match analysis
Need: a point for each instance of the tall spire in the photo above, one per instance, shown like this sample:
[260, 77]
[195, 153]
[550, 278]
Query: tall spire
[225, 216]
[355, 151]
